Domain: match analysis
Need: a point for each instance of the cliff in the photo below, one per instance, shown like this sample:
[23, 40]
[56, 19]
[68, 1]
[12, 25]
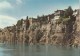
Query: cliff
[55, 28]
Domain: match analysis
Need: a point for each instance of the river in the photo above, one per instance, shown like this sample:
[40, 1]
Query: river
[37, 50]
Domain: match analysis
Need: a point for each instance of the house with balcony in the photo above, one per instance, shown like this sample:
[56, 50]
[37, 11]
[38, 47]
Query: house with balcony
[58, 14]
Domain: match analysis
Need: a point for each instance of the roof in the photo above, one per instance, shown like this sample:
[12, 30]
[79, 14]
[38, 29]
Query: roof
[59, 10]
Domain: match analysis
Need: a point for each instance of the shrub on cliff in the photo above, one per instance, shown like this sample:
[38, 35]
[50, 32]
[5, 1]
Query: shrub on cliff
[58, 21]
[62, 20]
[65, 20]
[33, 26]
[0, 30]
[38, 34]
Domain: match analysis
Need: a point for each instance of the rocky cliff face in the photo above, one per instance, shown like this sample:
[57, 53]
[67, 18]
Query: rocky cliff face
[77, 29]
[63, 31]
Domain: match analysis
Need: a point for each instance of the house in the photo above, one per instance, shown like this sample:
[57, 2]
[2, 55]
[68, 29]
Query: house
[75, 13]
[24, 25]
[58, 14]
[33, 20]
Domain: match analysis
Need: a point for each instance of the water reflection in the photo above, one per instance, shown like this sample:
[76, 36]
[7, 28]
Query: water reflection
[37, 50]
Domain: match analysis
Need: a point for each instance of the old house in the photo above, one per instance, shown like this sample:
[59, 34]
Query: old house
[33, 20]
[24, 25]
[58, 14]
[75, 13]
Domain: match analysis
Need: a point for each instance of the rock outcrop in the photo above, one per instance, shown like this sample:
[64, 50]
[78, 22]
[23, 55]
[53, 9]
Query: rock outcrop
[48, 29]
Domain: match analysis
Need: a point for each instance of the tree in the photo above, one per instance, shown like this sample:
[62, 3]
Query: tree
[68, 12]
[27, 18]
[19, 23]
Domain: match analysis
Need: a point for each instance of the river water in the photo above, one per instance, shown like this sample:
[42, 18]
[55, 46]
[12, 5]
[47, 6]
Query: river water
[37, 50]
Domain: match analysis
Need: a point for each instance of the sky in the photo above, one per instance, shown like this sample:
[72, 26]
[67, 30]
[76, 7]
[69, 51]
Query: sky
[13, 10]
